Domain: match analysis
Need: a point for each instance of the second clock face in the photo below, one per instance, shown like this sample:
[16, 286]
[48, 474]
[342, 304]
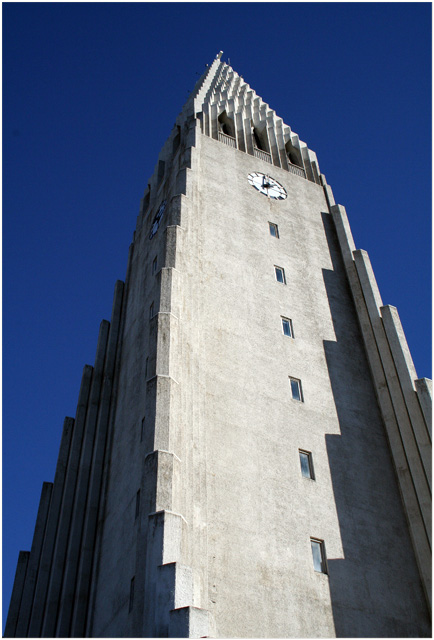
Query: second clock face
[266, 185]
[156, 221]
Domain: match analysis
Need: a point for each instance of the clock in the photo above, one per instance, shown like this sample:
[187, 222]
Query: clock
[157, 219]
[266, 185]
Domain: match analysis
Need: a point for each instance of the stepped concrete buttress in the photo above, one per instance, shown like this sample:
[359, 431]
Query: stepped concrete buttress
[179, 507]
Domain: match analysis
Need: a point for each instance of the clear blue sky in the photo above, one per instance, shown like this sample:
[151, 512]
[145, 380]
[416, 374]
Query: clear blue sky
[91, 92]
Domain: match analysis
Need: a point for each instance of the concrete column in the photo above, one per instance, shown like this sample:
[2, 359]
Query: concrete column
[33, 564]
[58, 563]
[190, 622]
[161, 471]
[169, 285]
[345, 239]
[51, 530]
[108, 454]
[424, 395]
[174, 589]
[307, 163]
[89, 529]
[214, 125]
[248, 135]
[284, 137]
[408, 493]
[171, 232]
[165, 537]
[181, 181]
[373, 304]
[407, 376]
[274, 147]
[240, 130]
[206, 120]
[17, 594]
[80, 498]
[328, 192]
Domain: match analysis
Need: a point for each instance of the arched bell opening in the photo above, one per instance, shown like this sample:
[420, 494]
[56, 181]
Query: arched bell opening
[293, 155]
[260, 140]
[226, 125]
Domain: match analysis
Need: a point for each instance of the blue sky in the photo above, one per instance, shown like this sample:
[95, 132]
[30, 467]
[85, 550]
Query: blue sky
[91, 92]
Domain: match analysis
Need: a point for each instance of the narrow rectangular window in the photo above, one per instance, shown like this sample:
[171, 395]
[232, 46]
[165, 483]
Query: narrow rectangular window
[274, 230]
[296, 389]
[318, 555]
[287, 327]
[131, 594]
[280, 274]
[146, 367]
[306, 464]
[137, 504]
[151, 310]
[154, 265]
[142, 430]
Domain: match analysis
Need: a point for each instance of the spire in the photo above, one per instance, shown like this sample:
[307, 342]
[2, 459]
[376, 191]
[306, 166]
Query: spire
[231, 112]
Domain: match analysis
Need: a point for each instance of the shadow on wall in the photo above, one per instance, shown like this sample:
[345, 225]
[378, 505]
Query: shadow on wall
[375, 590]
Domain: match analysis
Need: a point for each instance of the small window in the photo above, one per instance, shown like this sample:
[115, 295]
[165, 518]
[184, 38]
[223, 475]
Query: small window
[131, 594]
[287, 327]
[154, 265]
[296, 389]
[142, 430]
[274, 231]
[146, 367]
[306, 464]
[137, 504]
[151, 310]
[318, 555]
[280, 274]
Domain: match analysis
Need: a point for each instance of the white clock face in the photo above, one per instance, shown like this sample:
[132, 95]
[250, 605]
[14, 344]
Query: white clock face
[266, 185]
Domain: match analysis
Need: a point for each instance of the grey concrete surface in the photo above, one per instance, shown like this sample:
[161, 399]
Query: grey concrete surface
[198, 419]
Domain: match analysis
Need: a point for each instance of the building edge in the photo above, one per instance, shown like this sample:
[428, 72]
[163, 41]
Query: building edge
[404, 401]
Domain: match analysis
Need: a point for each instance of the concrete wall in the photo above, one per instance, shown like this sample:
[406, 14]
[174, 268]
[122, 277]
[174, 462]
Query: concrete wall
[179, 508]
[248, 507]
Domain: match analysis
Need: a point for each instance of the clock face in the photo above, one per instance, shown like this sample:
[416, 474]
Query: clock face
[157, 219]
[266, 185]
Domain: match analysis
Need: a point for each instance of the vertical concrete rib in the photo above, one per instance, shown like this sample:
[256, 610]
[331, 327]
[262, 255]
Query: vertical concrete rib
[33, 564]
[109, 445]
[407, 376]
[51, 530]
[58, 563]
[80, 498]
[90, 523]
[410, 500]
[424, 395]
[17, 594]
[373, 304]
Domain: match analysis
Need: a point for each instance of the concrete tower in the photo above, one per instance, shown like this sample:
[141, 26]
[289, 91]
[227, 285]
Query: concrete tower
[250, 456]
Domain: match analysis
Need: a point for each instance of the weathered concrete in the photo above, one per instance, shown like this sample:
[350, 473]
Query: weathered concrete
[424, 395]
[51, 530]
[81, 596]
[201, 421]
[58, 562]
[66, 600]
[17, 594]
[407, 377]
[190, 622]
[371, 295]
[34, 559]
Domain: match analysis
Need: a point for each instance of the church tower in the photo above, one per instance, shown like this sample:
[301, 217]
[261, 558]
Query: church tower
[251, 451]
